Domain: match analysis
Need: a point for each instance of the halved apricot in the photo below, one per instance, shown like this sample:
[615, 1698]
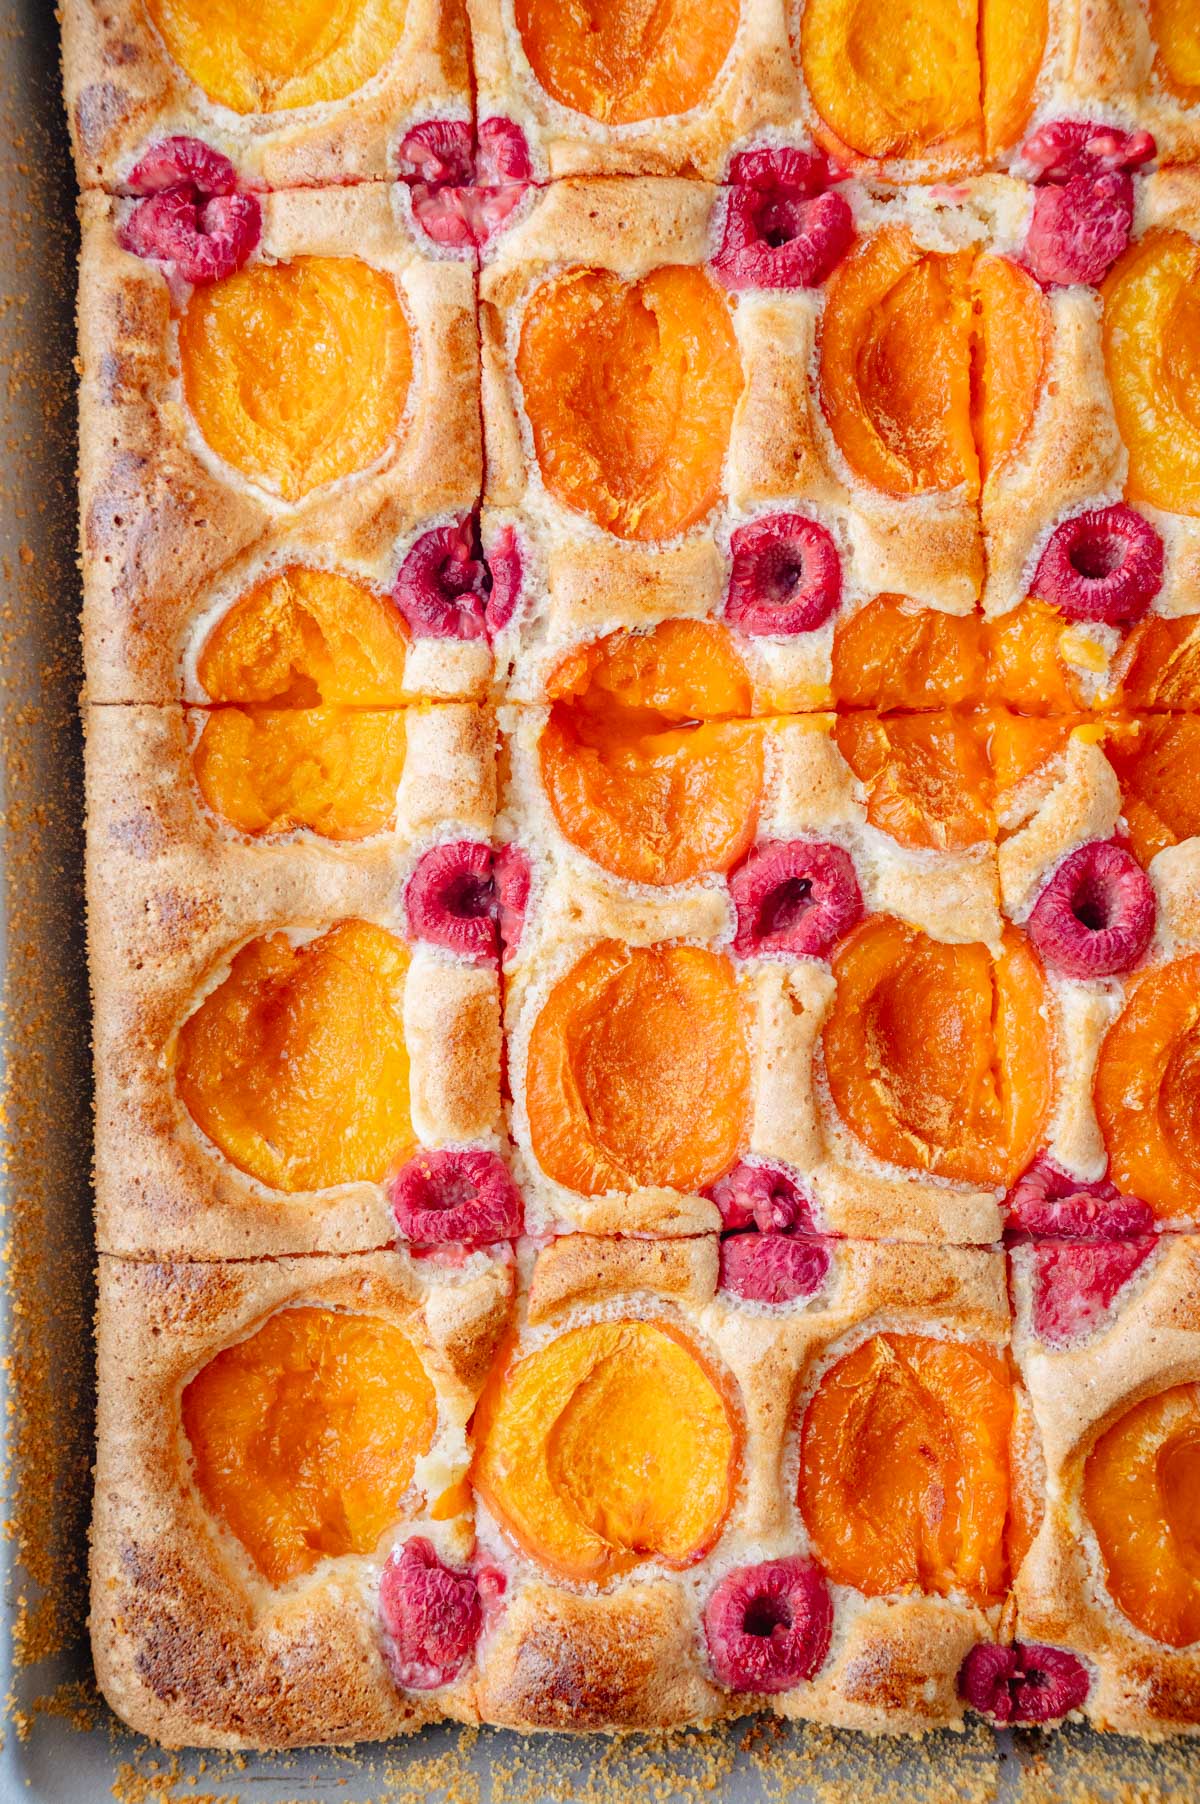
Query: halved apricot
[612, 1445]
[938, 1057]
[305, 1435]
[1147, 1089]
[1159, 664]
[297, 373]
[638, 1072]
[277, 54]
[295, 1064]
[894, 653]
[333, 770]
[1176, 28]
[1013, 37]
[630, 390]
[1021, 745]
[647, 765]
[624, 60]
[1157, 761]
[904, 1467]
[927, 775]
[1025, 667]
[1013, 329]
[896, 365]
[1141, 1489]
[1152, 350]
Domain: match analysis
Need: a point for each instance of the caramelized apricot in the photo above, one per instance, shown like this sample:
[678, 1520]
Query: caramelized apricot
[896, 362]
[1176, 29]
[1141, 1488]
[889, 85]
[1147, 1090]
[644, 768]
[1025, 666]
[1159, 664]
[297, 373]
[624, 60]
[1011, 358]
[612, 1445]
[1152, 350]
[638, 1072]
[937, 1056]
[1012, 45]
[927, 777]
[333, 770]
[300, 637]
[630, 390]
[295, 1064]
[896, 654]
[305, 1435]
[1157, 761]
[1021, 745]
[277, 54]
[904, 1468]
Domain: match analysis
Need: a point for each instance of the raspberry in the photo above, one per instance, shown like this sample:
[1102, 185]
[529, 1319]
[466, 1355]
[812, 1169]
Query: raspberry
[768, 1627]
[1083, 208]
[510, 873]
[183, 163]
[761, 1196]
[442, 586]
[794, 896]
[462, 193]
[1105, 564]
[431, 1617]
[451, 899]
[772, 1268]
[782, 230]
[503, 173]
[462, 1195]
[786, 576]
[204, 239]
[1095, 917]
[1024, 1683]
[1075, 1281]
[504, 569]
[1064, 149]
[1049, 1203]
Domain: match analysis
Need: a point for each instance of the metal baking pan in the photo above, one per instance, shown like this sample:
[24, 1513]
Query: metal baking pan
[60, 1744]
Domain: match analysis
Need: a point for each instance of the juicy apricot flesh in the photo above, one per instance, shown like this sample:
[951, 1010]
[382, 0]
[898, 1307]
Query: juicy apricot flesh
[647, 759]
[1141, 1490]
[936, 1055]
[927, 776]
[624, 60]
[305, 1435]
[895, 654]
[1147, 1089]
[1023, 655]
[300, 637]
[630, 390]
[332, 770]
[297, 373]
[1159, 665]
[638, 1072]
[1152, 350]
[612, 1445]
[295, 1065]
[1157, 761]
[904, 1468]
[1176, 30]
[276, 54]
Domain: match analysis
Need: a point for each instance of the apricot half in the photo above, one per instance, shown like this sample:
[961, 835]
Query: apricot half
[638, 1072]
[624, 60]
[1152, 350]
[332, 770]
[648, 768]
[276, 54]
[1157, 761]
[1159, 664]
[304, 1436]
[1013, 342]
[1176, 28]
[630, 390]
[904, 1467]
[1147, 1089]
[895, 654]
[927, 776]
[612, 1445]
[297, 373]
[1141, 1488]
[937, 1056]
[1025, 666]
[295, 1065]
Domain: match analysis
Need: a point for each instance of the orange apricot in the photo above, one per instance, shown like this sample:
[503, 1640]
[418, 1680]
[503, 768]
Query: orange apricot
[333, 770]
[278, 54]
[297, 373]
[624, 60]
[1152, 350]
[1159, 664]
[904, 1468]
[1025, 666]
[1176, 28]
[1157, 761]
[305, 1435]
[927, 776]
[612, 1445]
[1013, 329]
[643, 767]
[300, 637]
[295, 1064]
[638, 1072]
[1021, 745]
[1147, 1089]
[894, 653]
[630, 390]
[937, 1055]
[1012, 44]
[1141, 1490]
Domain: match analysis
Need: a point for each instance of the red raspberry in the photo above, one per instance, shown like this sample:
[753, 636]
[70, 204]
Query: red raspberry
[510, 873]
[1095, 917]
[464, 1195]
[470, 898]
[1049, 1203]
[1024, 1683]
[192, 218]
[1076, 1281]
[462, 192]
[183, 163]
[442, 586]
[786, 576]
[503, 174]
[761, 1196]
[1067, 148]
[504, 568]
[768, 1627]
[782, 230]
[772, 1268]
[431, 1617]
[1105, 564]
[1083, 208]
[794, 896]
